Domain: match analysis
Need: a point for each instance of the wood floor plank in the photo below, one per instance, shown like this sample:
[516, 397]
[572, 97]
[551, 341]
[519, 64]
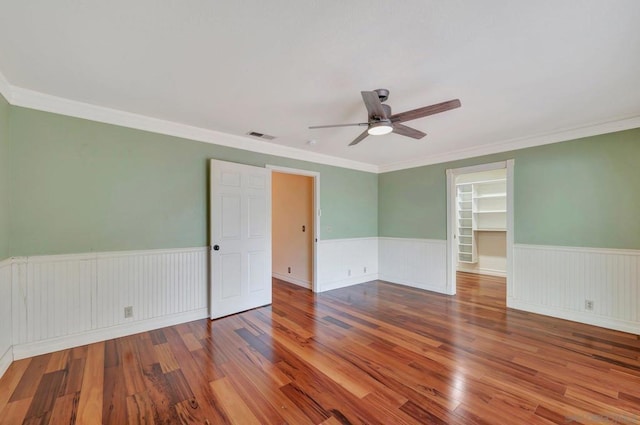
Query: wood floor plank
[165, 357]
[29, 381]
[58, 361]
[237, 410]
[114, 395]
[11, 379]
[373, 353]
[45, 396]
[202, 406]
[140, 409]
[91, 396]
[267, 390]
[65, 409]
[161, 394]
[72, 382]
[15, 412]
[131, 365]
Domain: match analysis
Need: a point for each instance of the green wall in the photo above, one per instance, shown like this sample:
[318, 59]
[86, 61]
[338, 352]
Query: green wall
[4, 178]
[582, 192]
[83, 186]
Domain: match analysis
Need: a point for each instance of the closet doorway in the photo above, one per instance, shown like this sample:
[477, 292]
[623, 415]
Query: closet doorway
[480, 222]
[294, 225]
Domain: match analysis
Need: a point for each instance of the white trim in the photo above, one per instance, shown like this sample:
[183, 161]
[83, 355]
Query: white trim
[510, 225]
[349, 281]
[588, 250]
[22, 351]
[480, 168]
[430, 241]
[451, 248]
[410, 283]
[289, 170]
[575, 316]
[293, 280]
[7, 357]
[316, 217]
[40, 101]
[5, 89]
[5, 360]
[103, 255]
[484, 271]
[326, 241]
[626, 123]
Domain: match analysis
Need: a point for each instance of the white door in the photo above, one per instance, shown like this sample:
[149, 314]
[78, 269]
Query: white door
[240, 237]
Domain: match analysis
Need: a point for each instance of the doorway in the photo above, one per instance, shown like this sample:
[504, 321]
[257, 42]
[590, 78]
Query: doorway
[295, 226]
[480, 222]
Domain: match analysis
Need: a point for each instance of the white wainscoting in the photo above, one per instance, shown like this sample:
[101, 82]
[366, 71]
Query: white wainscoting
[556, 281]
[6, 341]
[345, 262]
[61, 301]
[420, 263]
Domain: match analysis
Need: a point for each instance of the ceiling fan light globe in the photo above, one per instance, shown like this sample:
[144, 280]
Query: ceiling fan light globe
[379, 129]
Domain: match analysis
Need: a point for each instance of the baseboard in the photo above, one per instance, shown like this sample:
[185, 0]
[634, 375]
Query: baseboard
[441, 289]
[290, 279]
[576, 316]
[350, 281]
[6, 360]
[488, 272]
[22, 351]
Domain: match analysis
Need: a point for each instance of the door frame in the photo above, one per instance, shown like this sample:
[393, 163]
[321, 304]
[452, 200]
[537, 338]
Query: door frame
[452, 173]
[316, 214]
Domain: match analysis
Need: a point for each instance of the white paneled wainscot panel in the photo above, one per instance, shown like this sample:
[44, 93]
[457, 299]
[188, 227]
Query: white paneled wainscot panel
[420, 263]
[561, 281]
[61, 301]
[345, 262]
[6, 343]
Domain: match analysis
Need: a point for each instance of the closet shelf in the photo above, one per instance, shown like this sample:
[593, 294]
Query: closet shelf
[481, 206]
[493, 195]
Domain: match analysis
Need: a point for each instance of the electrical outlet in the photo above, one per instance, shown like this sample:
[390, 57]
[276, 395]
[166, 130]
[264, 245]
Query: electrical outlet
[128, 312]
[588, 304]
[349, 272]
[365, 269]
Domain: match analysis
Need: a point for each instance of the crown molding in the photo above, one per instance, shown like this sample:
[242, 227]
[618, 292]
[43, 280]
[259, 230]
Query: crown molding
[40, 101]
[26, 98]
[518, 143]
[5, 89]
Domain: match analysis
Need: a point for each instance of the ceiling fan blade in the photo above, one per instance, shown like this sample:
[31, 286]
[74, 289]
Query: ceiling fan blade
[339, 125]
[373, 104]
[425, 111]
[360, 138]
[403, 130]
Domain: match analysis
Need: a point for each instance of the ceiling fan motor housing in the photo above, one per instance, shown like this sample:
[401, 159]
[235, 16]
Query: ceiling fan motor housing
[383, 94]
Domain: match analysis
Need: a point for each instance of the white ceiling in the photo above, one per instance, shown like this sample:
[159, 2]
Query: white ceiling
[522, 69]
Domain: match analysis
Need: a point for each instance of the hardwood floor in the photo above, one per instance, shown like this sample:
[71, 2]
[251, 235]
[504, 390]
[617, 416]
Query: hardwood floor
[374, 353]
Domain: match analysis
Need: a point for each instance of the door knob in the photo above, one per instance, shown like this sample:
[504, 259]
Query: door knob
[216, 247]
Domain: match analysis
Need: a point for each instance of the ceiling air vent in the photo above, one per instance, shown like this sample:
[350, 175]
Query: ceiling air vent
[260, 135]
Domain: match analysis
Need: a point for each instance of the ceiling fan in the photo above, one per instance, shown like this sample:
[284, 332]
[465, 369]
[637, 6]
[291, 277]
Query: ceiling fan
[381, 121]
